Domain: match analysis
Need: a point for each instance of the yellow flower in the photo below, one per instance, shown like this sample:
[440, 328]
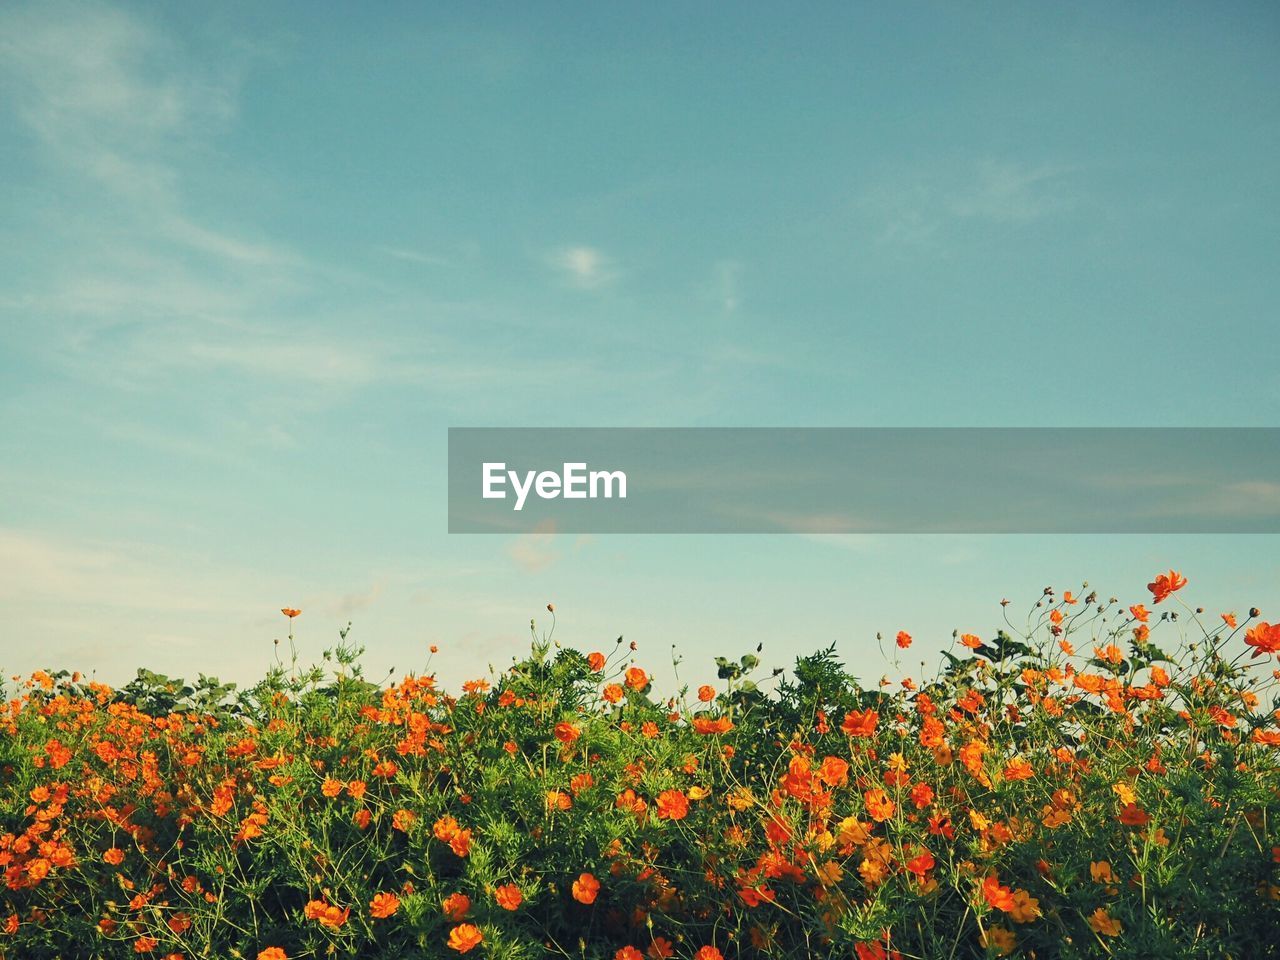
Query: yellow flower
[1100, 870]
[741, 798]
[699, 793]
[999, 940]
[1025, 907]
[1124, 792]
[830, 873]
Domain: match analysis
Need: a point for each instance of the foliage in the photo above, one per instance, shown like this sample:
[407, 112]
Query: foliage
[1025, 800]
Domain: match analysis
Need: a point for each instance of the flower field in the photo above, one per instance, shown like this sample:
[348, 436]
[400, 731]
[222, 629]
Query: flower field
[1096, 778]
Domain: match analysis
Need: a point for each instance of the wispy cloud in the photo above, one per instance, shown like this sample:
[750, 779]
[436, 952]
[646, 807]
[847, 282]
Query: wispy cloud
[586, 268]
[110, 98]
[414, 256]
[1013, 192]
[920, 211]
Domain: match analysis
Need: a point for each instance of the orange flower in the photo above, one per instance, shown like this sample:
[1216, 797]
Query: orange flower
[596, 661]
[613, 693]
[705, 725]
[1264, 638]
[326, 914]
[465, 937]
[290, 612]
[508, 896]
[456, 906]
[921, 865]
[860, 723]
[628, 953]
[903, 639]
[403, 820]
[636, 678]
[566, 732]
[1103, 923]
[998, 896]
[706, 693]
[586, 888]
[114, 856]
[1134, 816]
[1140, 612]
[383, 905]
[660, 949]
[1165, 584]
[879, 806]
[970, 641]
[708, 953]
[272, 953]
[672, 805]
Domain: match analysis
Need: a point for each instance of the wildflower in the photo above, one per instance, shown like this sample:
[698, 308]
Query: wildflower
[613, 693]
[834, 772]
[465, 937]
[879, 806]
[114, 856]
[708, 953]
[903, 639]
[706, 693]
[383, 905]
[999, 940]
[921, 865]
[636, 678]
[1103, 923]
[403, 820]
[1134, 816]
[1165, 585]
[998, 896]
[660, 949]
[290, 612]
[970, 641]
[566, 732]
[326, 914]
[508, 896]
[860, 723]
[672, 805]
[1100, 871]
[1025, 907]
[628, 953]
[1264, 638]
[272, 953]
[586, 888]
[596, 661]
[707, 726]
[456, 906]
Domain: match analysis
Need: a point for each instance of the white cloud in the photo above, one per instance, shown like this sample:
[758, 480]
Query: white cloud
[584, 267]
[916, 213]
[1013, 192]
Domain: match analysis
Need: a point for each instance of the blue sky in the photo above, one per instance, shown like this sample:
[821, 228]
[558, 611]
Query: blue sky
[257, 259]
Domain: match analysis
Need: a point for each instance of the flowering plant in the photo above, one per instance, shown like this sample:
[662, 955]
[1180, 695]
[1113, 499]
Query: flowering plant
[1101, 780]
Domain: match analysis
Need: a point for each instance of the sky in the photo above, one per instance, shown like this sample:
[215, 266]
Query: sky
[257, 258]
